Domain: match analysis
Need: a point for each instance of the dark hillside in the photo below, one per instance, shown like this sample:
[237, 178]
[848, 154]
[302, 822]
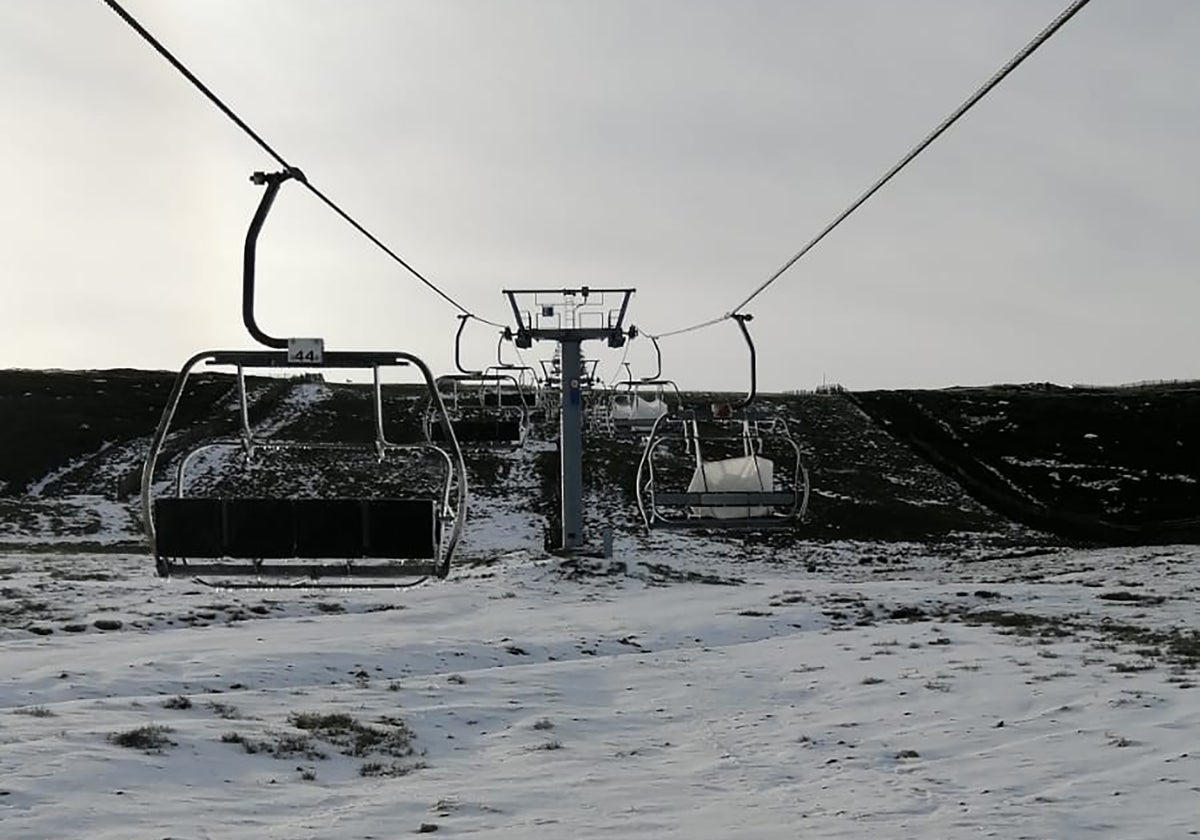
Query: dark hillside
[1115, 465]
[51, 418]
[1106, 464]
[864, 485]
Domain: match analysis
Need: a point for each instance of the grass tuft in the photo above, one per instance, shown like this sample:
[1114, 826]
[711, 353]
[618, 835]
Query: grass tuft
[395, 769]
[151, 738]
[354, 738]
[285, 745]
[225, 711]
[33, 711]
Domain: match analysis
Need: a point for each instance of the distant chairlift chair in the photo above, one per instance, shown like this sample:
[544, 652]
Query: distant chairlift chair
[529, 386]
[486, 408]
[635, 405]
[347, 541]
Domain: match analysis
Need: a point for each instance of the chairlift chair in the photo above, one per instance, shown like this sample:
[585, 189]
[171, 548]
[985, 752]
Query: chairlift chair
[591, 388]
[636, 405]
[352, 540]
[489, 407]
[529, 391]
[632, 406]
[735, 477]
[484, 409]
[552, 374]
[743, 469]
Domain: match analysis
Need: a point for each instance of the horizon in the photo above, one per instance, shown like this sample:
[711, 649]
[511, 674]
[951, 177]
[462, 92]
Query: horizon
[816, 390]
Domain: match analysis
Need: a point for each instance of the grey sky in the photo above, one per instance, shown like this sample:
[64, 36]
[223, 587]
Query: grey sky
[685, 148]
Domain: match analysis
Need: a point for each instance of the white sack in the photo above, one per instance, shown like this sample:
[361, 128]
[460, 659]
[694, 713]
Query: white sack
[747, 474]
[638, 408]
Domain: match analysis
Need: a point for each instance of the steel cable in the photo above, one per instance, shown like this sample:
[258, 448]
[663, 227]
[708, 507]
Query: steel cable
[962, 109]
[266, 147]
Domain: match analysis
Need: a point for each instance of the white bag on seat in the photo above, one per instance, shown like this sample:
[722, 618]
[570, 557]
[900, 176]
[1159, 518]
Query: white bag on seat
[748, 474]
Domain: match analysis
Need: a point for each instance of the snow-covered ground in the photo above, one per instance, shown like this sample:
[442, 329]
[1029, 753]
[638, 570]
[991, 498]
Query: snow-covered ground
[856, 690]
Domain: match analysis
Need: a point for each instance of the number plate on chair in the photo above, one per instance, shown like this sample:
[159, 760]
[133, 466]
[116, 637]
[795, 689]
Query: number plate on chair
[306, 351]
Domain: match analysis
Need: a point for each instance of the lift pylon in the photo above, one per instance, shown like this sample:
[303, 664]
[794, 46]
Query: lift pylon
[570, 317]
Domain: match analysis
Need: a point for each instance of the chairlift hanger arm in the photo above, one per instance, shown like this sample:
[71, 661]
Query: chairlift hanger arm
[507, 335]
[657, 360]
[273, 181]
[462, 325]
[741, 319]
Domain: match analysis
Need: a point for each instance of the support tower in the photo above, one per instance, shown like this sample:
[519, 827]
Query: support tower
[570, 317]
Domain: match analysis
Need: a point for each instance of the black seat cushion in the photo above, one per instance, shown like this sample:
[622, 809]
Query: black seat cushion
[329, 528]
[405, 529]
[188, 528]
[260, 528]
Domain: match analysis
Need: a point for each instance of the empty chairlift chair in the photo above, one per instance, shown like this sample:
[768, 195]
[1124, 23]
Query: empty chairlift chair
[528, 391]
[491, 407]
[485, 409]
[363, 537]
[339, 540]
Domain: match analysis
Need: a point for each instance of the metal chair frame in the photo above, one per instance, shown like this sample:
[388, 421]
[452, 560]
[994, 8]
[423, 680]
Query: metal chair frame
[450, 503]
[660, 508]
[296, 531]
[736, 423]
[482, 399]
[632, 391]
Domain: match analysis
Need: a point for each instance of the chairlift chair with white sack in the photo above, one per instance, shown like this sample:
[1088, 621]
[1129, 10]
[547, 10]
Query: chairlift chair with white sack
[634, 405]
[740, 469]
[633, 408]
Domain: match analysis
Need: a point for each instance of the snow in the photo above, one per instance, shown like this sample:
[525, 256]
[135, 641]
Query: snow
[547, 701]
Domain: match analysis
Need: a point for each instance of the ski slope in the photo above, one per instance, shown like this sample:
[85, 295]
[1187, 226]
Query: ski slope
[688, 690]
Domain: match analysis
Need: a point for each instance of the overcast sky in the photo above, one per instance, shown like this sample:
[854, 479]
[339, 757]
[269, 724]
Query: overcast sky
[683, 147]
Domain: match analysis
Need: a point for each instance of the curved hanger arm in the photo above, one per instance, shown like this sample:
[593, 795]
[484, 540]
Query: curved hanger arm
[657, 361]
[273, 181]
[462, 325]
[741, 319]
[506, 334]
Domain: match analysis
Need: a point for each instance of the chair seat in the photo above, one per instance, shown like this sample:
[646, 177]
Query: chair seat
[731, 498]
[263, 529]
